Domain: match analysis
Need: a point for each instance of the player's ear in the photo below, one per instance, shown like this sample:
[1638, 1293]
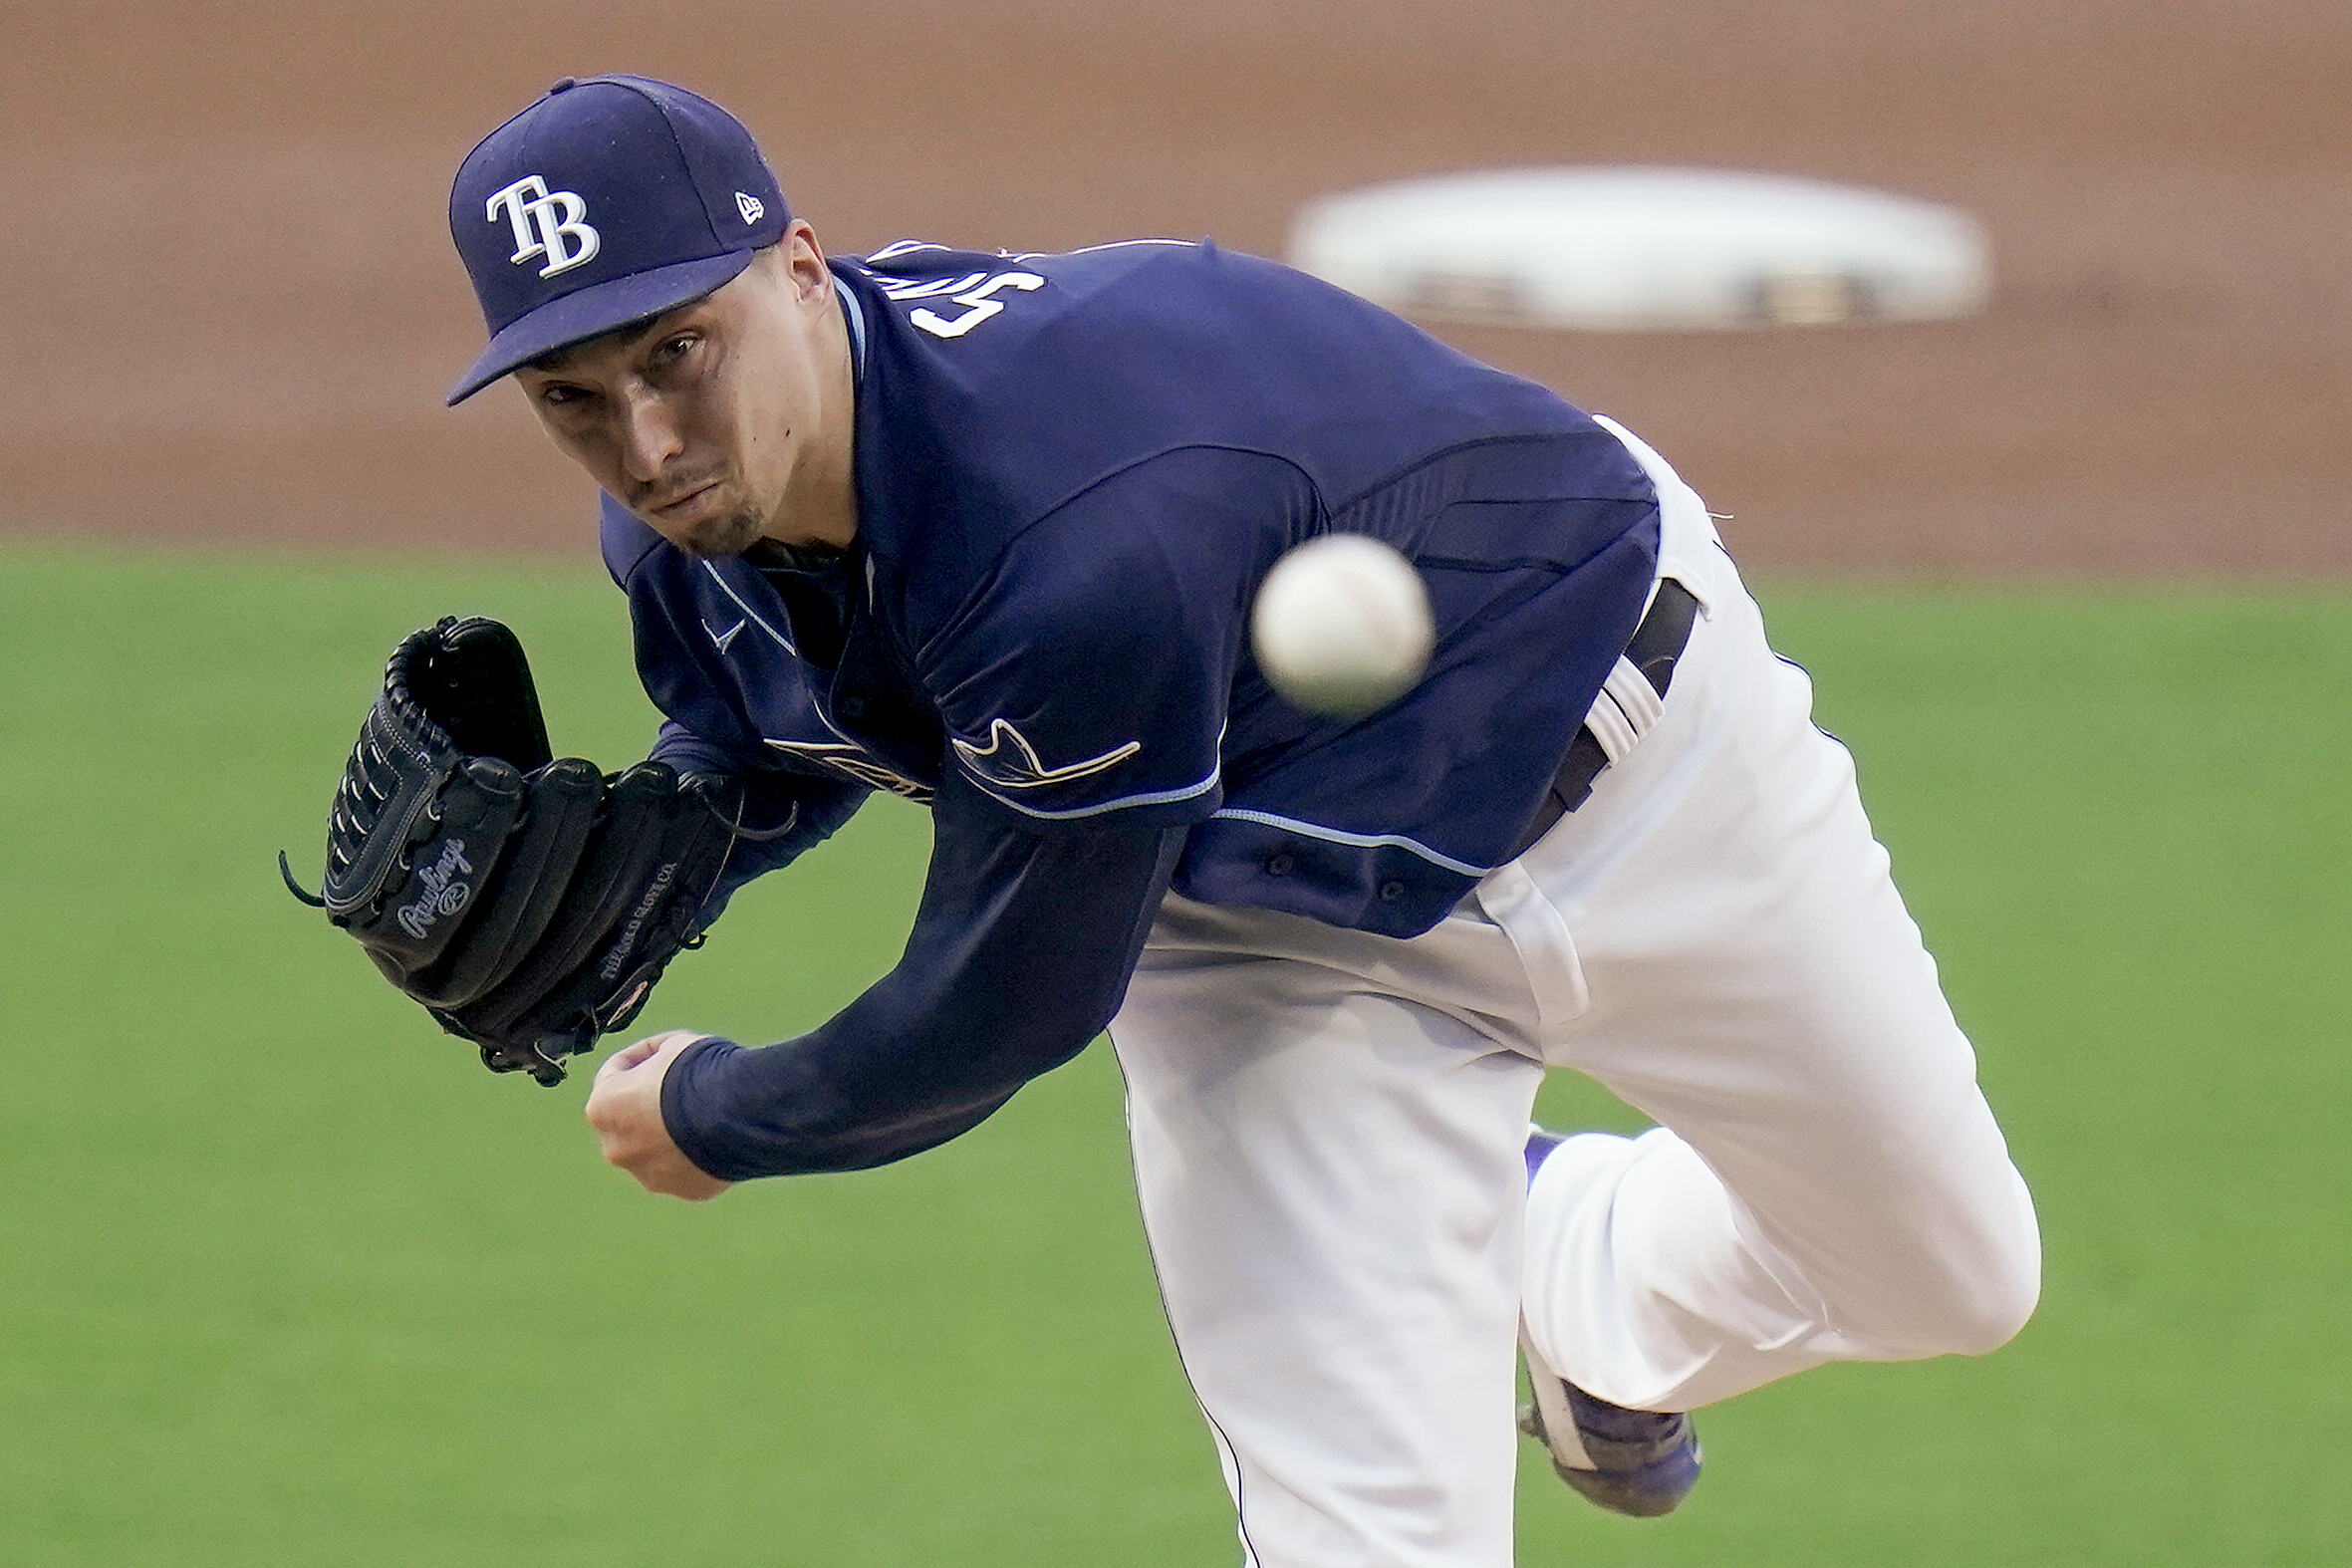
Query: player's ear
[803, 260]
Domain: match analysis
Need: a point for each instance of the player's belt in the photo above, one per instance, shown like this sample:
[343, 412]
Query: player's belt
[1629, 703]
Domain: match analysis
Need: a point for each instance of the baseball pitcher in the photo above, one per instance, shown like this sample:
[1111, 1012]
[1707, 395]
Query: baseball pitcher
[984, 530]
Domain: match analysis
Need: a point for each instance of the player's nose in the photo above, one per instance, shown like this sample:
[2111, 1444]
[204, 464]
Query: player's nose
[649, 435]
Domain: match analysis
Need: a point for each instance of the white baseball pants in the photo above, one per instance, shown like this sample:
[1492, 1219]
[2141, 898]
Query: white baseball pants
[1328, 1127]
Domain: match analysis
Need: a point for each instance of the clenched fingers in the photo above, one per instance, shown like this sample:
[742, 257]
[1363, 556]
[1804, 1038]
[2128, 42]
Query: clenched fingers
[625, 1109]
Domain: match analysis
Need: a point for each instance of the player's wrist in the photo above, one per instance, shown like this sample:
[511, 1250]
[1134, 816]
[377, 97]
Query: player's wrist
[683, 1087]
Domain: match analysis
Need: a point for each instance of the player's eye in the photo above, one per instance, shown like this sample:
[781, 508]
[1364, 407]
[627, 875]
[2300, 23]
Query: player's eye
[675, 349]
[556, 394]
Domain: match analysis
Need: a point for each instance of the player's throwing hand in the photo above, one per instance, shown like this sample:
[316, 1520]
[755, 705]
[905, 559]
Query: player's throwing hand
[625, 1108]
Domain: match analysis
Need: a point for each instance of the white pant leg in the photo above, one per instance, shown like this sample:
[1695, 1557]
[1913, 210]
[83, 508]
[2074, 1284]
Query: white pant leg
[1833, 1185]
[1332, 1183]
[1327, 1130]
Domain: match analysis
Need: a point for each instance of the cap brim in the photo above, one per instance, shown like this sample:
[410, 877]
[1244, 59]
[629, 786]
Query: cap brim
[594, 311]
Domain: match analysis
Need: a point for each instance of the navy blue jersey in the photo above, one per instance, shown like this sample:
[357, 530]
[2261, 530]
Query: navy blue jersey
[1073, 471]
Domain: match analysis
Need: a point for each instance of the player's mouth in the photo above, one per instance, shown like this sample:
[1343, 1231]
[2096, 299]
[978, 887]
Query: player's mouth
[698, 513]
[682, 506]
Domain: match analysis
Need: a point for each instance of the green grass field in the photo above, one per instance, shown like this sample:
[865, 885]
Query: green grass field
[286, 1279]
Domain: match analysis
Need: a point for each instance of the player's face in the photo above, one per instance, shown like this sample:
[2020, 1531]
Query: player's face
[724, 421]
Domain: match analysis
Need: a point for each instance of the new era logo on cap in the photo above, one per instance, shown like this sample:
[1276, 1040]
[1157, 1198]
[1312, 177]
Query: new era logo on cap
[604, 203]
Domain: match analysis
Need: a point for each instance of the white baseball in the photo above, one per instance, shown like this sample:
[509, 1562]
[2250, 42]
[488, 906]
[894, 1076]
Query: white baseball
[1342, 625]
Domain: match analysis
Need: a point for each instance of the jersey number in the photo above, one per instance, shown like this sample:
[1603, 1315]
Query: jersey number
[978, 307]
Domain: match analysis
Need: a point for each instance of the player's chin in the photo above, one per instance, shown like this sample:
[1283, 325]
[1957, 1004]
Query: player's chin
[714, 535]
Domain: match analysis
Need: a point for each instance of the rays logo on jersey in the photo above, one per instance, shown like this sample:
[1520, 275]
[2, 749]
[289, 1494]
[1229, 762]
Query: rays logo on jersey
[854, 762]
[1009, 761]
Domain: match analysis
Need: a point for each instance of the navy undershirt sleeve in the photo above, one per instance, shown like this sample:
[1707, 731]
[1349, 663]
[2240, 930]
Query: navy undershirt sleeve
[1019, 957]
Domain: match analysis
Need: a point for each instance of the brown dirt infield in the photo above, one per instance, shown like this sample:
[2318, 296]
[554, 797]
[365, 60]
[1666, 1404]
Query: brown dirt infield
[233, 308]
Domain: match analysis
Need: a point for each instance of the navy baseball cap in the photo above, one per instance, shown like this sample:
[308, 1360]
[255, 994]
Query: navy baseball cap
[606, 202]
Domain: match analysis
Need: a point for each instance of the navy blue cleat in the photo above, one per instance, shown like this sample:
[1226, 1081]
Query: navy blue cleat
[1641, 1463]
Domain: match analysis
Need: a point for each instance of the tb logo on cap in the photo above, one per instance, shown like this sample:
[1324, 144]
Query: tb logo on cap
[546, 224]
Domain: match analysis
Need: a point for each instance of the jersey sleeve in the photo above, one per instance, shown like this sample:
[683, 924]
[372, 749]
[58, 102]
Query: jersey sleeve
[1019, 956]
[1085, 680]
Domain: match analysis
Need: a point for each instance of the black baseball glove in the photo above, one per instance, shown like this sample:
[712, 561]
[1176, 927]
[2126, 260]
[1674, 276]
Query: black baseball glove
[528, 902]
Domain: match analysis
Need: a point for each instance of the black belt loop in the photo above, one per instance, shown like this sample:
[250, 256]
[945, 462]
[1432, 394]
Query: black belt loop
[1653, 649]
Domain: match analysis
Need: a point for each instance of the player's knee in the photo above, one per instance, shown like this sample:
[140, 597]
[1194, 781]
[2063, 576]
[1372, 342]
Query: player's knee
[1993, 1308]
[2010, 1286]
[1962, 1283]
[1984, 1292]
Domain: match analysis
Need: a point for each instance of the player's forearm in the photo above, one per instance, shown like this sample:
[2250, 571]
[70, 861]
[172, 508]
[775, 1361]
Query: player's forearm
[786, 1110]
[1019, 957]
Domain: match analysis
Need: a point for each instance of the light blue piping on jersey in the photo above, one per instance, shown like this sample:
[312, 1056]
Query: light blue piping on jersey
[1157, 798]
[822, 716]
[857, 747]
[712, 568]
[1360, 841]
[857, 315]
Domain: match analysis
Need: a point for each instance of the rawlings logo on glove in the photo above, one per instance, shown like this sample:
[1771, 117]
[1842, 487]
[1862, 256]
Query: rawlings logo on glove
[577, 889]
[444, 893]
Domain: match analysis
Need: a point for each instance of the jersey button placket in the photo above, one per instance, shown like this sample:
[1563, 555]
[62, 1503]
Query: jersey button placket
[1279, 864]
